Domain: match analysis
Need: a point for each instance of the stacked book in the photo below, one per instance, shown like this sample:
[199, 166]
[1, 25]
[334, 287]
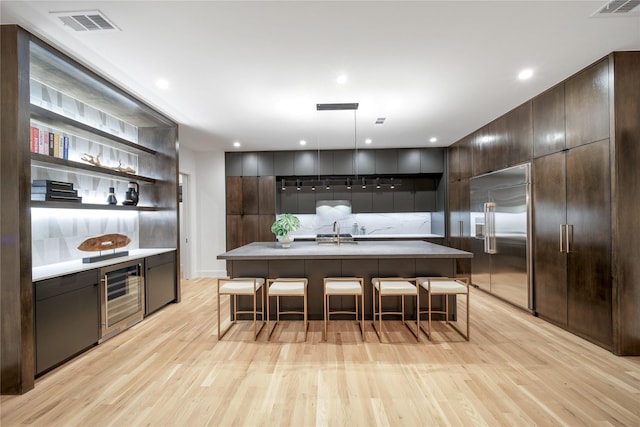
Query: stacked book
[54, 191]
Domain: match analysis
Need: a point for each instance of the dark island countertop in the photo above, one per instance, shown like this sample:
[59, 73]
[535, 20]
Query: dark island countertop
[361, 250]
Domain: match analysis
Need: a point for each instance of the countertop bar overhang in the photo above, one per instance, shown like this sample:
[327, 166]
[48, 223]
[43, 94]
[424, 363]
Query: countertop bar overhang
[361, 250]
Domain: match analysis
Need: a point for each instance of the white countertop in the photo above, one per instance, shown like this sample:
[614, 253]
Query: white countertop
[377, 236]
[371, 249]
[76, 266]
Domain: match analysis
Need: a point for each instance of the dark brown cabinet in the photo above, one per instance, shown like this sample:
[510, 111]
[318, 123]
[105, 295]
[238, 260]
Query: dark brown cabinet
[459, 222]
[505, 142]
[572, 249]
[459, 159]
[250, 205]
[549, 122]
[587, 105]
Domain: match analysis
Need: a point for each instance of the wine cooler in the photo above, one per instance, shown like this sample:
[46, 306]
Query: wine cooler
[122, 297]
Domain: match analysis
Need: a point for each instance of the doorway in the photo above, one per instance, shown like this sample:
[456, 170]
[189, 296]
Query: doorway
[184, 201]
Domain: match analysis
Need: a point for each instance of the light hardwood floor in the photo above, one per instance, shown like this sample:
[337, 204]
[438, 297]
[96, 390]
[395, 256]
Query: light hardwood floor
[171, 371]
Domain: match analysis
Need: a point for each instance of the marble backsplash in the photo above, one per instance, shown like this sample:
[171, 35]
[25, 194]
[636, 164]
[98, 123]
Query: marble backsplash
[369, 224]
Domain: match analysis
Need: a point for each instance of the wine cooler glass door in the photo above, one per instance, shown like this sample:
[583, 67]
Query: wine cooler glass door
[122, 298]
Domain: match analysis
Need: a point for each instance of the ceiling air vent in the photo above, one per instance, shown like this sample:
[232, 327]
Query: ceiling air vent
[92, 20]
[618, 7]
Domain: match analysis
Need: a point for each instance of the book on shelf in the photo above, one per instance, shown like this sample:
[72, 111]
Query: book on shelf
[51, 185]
[56, 145]
[65, 148]
[44, 136]
[51, 197]
[51, 143]
[57, 191]
[34, 134]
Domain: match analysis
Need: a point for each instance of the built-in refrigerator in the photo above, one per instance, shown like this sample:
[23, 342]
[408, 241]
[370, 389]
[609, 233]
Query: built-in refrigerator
[500, 234]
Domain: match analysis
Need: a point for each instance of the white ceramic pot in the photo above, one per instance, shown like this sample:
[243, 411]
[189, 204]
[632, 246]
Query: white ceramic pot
[285, 240]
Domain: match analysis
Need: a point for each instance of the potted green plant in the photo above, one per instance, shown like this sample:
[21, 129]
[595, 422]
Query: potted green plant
[283, 226]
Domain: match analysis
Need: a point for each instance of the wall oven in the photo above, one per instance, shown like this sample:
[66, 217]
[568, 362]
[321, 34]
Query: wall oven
[121, 297]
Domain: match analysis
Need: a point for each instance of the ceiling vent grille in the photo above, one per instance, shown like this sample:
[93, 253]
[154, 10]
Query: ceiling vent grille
[92, 20]
[617, 8]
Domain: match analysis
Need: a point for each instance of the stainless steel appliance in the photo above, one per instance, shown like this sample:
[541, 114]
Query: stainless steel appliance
[500, 230]
[122, 297]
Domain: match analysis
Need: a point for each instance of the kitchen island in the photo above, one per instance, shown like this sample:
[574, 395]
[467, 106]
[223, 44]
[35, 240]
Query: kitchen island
[367, 259]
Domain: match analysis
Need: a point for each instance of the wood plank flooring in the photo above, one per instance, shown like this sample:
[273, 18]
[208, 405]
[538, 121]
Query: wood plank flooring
[170, 370]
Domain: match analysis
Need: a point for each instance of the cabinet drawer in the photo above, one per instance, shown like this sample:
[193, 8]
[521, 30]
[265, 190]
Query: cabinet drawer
[60, 285]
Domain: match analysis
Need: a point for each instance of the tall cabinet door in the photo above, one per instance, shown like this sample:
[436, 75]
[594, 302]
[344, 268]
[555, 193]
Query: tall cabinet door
[550, 263]
[589, 259]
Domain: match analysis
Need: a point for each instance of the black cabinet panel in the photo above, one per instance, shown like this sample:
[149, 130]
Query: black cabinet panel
[306, 202]
[233, 164]
[325, 165]
[67, 317]
[382, 201]
[425, 195]
[283, 163]
[361, 201]
[432, 160]
[365, 162]
[343, 162]
[289, 201]
[305, 163]
[249, 164]
[265, 163]
[160, 281]
[409, 160]
[386, 161]
[404, 197]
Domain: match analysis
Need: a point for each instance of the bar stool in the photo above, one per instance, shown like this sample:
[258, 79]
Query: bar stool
[445, 286]
[242, 286]
[340, 286]
[395, 286]
[287, 287]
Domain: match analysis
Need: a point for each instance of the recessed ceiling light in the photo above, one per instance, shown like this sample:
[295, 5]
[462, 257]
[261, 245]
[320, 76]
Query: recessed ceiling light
[341, 79]
[525, 74]
[162, 84]
[433, 139]
[303, 142]
[236, 144]
[367, 141]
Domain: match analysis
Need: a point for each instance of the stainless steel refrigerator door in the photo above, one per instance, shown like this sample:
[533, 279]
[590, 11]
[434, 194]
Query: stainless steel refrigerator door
[510, 258]
[481, 261]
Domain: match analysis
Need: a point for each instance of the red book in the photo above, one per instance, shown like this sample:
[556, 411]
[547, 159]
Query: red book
[35, 139]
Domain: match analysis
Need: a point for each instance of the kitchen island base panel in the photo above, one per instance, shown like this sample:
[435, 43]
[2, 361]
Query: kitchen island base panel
[317, 269]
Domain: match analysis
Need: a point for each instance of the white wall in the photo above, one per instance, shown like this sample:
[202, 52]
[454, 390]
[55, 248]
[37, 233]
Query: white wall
[208, 215]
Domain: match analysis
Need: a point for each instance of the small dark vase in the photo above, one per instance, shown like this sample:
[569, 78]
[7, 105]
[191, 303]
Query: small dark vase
[112, 196]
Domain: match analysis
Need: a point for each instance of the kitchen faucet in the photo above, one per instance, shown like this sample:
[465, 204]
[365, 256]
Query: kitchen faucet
[337, 225]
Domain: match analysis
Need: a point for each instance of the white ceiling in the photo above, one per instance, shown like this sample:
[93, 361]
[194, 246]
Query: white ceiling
[254, 71]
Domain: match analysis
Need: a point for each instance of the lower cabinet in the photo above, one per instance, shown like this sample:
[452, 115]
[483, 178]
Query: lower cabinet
[67, 317]
[160, 281]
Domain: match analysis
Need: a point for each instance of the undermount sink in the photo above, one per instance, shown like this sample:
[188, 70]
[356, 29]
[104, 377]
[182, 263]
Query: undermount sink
[332, 238]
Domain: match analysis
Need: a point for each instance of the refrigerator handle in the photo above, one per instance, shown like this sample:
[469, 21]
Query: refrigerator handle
[562, 237]
[489, 220]
[460, 228]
